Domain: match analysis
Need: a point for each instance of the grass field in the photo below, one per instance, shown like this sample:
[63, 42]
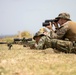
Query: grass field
[23, 61]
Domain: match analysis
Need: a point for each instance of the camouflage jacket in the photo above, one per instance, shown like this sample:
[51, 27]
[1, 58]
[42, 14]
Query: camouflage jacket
[67, 30]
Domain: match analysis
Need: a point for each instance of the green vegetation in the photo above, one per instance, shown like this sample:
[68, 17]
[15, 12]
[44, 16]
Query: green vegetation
[23, 61]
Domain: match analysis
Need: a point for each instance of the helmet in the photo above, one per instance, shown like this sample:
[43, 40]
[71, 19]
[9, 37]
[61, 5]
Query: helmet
[38, 34]
[64, 16]
[42, 30]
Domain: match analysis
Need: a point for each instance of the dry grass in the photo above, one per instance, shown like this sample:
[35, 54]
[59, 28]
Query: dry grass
[23, 61]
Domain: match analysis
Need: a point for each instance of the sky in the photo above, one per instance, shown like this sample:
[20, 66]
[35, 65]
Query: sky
[28, 15]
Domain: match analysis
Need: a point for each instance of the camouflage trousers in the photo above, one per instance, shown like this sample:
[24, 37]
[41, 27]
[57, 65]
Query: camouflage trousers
[63, 46]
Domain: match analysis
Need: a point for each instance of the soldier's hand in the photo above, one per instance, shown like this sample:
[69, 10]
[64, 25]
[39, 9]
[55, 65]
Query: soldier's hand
[55, 24]
[49, 26]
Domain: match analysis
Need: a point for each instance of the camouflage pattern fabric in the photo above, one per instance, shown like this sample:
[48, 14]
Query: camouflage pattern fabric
[67, 30]
[44, 42]
[64, 16]
[61, 45]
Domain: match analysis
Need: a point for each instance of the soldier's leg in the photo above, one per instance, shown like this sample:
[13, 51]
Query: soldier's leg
[62, 45]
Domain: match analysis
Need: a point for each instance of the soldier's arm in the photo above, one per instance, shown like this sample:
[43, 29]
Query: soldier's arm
[59, 32]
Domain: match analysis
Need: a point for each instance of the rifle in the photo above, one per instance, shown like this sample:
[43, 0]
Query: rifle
[22, 41]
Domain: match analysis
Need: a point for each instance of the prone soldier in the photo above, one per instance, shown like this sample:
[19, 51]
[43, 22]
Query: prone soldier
[43, 42]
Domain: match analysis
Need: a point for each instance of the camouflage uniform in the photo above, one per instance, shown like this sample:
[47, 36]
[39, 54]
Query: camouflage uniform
[47, 42]
[67, 30]
[44, 42]
[57, 38]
